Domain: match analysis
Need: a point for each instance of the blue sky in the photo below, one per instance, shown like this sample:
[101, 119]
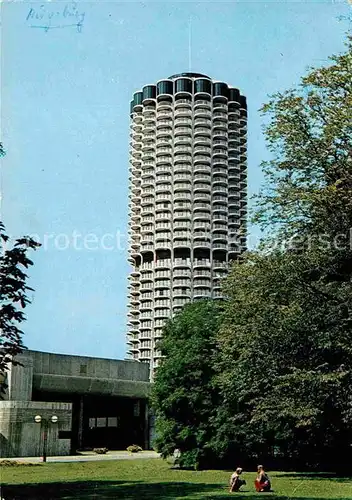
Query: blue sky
[65, 126]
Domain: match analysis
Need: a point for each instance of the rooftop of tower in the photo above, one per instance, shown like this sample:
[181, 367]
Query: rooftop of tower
[188, 75]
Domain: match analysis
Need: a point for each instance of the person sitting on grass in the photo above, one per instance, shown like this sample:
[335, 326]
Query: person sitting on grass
[262, 482]
[235, 481]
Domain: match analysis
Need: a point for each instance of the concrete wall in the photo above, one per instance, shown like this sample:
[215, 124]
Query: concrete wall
[20, 378]
[58, 373]
[83, 366]
[21, 436]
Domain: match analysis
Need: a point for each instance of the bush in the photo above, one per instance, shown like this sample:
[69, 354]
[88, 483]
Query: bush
[15, 463]
[134, 448]
[100, 451]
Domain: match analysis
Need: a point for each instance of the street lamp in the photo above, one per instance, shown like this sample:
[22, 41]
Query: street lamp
[45, 422]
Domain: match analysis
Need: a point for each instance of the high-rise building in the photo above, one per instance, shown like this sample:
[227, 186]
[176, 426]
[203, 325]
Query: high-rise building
[188, 199]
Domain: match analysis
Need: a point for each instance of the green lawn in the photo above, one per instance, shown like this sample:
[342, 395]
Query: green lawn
[155, 479]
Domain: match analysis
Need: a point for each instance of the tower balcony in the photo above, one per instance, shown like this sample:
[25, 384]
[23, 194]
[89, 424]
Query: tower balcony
[202, 103]
[220, 265]
[202, 140]
[219, 237]
[220, 115]
[204, 216]
[182, 187]
[163, 122]
[183, 140]
[201, 186]
[219, 192]
[203, 176]
[222, 125]
[163, 245]
[183, 103]
[182, 215]
[182, 243]
[220, 106]
[201, 273]
[183, 131]
[182, 158]
[183, 111]
[182, 263]
[201, 200]
[219, 246]
[182, 272]
[201, 293]
[201, 263]
[202, 112]
[163, 131]
[201, 281]
[217, 152]
[162, 313]
[201, 243]
[182, 121]
[163, 263]
[202, 159]
[202, 131]
[220, 133]
[183, 292]
[202, 122]
[179, 303]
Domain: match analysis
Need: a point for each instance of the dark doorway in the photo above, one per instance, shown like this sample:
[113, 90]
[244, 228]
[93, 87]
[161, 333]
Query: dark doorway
[114, 423]
[111, 422]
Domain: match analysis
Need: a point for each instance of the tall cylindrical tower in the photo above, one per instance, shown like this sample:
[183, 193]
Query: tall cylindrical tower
[188, 199]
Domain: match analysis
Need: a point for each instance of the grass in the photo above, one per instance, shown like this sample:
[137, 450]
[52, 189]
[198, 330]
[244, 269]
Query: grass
[156, 480]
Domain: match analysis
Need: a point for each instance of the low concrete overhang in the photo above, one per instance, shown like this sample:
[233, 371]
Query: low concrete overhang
[89, 385]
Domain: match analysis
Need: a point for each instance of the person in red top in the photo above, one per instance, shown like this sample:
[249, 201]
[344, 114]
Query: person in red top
[262, 482]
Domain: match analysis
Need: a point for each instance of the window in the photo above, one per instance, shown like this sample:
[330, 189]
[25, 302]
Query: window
[83, 370]
[136, 409]
[100, 422]
[112, 421]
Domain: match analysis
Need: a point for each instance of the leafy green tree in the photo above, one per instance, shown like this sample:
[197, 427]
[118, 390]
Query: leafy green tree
[309, 178]
[285, 364]
[184, 397]
[286, 355]
[13, 291]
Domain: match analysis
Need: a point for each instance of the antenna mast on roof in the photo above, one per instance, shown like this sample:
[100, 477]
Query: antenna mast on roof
[189, 43]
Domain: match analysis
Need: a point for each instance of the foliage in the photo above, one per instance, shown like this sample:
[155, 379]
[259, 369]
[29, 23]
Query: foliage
[285, 363]
[286, 357]
[100, 451]
[309, 179]
[184, 397]
[16, 463]
[134, 448]
[13, 291]
[279, 371]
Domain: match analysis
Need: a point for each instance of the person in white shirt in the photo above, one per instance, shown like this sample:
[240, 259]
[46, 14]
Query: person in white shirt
[235, 481]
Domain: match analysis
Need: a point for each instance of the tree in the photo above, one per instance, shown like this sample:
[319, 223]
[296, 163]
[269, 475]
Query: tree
[285, 364]
[13, 292]
[285, 345]
[184, 397]
[309, 178]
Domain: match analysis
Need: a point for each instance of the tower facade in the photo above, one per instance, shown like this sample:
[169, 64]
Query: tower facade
[188, 199]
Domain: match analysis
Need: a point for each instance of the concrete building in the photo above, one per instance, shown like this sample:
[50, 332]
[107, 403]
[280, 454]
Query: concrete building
[188, 199]
[97, 402]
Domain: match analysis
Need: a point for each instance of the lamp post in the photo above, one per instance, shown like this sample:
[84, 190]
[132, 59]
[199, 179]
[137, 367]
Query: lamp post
[45, 422]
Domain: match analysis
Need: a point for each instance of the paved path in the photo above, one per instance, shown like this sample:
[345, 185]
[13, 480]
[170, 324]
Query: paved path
[90, 457]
